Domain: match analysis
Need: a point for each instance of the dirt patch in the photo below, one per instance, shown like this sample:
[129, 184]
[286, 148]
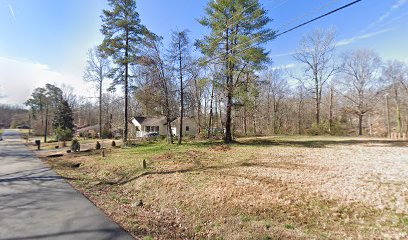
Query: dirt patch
[165, 156]
[220, 148]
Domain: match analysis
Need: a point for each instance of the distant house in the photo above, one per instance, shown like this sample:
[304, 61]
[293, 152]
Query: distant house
[88, 131]
[146, 126]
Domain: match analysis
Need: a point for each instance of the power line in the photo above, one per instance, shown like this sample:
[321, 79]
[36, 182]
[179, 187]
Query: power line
[251, 41]
[321, 16]
[309, 13]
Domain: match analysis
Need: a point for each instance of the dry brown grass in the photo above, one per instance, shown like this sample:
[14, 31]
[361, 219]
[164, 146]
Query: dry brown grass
[259, 188]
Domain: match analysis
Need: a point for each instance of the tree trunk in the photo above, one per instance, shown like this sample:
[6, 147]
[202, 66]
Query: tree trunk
[46, 125]
[125, 128]
[198, 99]
[317, 112]
[331, 112]
[398, 111]
[210, 122]
[100, 111]
[360, 124]
[245, 120]
[299, 118]
[317, 94]
[180, 139]
[229, 81]
[269, 107]
[220, 111]
[228, 133]
[169, 132]
[387, 112]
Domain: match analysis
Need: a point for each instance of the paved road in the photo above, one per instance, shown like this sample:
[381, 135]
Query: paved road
[37, 204]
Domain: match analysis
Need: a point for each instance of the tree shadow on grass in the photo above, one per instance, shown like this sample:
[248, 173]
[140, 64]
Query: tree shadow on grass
[321, 143]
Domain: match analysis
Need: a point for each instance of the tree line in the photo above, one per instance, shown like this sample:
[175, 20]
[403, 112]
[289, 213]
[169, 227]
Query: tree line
[231, 87]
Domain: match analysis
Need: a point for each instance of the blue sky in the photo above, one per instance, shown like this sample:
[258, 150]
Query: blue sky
[47, 40]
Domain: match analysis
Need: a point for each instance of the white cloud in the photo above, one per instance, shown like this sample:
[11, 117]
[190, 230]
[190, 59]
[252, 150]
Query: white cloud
[385, 16]
[282, 67]
[283, 54]
[12, 12]
[348, 41]
[18, 78]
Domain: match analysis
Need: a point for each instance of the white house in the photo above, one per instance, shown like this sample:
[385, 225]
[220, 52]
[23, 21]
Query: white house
[148, 125]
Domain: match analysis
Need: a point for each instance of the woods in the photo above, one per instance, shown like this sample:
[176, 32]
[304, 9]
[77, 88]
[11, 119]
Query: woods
[227, 83]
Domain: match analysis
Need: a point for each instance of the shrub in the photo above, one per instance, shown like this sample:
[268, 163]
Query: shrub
[98, 145]
[338, 129]
[106, 133]
[83, 134]
[63, 134]
[317, 129]
[75, 145]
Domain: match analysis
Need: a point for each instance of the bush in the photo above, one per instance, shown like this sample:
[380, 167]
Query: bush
[322, 129]
[338, 129]
[317, 129]
[63, 134]
[98, 145]
[75, 146]
[83, 134]
[106, 134]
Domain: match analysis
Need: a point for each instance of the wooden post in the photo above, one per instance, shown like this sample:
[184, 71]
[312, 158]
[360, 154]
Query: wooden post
[144, 164]
[103, 153]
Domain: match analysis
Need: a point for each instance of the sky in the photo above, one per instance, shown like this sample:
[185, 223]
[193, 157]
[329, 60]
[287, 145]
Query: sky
[46, 41]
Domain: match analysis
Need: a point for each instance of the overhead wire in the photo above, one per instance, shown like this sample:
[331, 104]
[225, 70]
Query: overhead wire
[251, 41]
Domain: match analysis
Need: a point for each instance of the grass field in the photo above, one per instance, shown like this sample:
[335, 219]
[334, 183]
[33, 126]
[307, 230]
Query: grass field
[257, 188]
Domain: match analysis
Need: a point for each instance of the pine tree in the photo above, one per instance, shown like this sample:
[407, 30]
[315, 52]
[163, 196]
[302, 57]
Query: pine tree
[45, 101]
[238, 31]
[123, 33]
[179, 54]
[63, 122]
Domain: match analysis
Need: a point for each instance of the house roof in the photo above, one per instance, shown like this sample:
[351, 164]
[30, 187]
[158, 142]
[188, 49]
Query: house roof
[151, 121]
[154, 121]
[93, 127]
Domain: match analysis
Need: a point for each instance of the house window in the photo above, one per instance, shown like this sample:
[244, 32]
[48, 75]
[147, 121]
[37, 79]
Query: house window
[187, 128]
[157, 129]
[147, 128]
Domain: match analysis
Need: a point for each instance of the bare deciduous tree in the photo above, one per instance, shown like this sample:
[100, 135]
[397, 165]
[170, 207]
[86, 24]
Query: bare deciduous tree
[316, 52]
[360, 68]
[96, 71]
[394, 74]
[277, 89]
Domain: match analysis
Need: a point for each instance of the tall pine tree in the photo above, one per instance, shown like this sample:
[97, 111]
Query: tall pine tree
[123, 33]
[238, 32]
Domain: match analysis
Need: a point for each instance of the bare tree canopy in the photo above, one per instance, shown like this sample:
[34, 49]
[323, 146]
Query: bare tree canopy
[316, 52]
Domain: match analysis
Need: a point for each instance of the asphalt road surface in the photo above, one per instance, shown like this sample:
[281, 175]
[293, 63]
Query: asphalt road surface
[35, 203]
